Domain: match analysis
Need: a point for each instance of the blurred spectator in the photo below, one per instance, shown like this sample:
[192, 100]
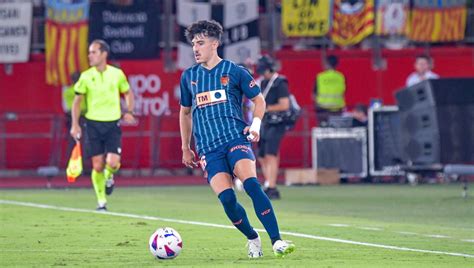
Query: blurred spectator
[423, 65]
[275, 90]
[359, 115]
[329, 90]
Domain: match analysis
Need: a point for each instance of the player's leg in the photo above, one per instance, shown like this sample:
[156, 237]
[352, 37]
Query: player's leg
[221, 184]
[245, 168]
[112, 166]
[113, 144]
[243, 162]
[220, 181]
[96, 149]
[98, 180]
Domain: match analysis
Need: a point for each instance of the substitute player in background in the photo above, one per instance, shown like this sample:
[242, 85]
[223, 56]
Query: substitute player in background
[211, 108]
[101, 86]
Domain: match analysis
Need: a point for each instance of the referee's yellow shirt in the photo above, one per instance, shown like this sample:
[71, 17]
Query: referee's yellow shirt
[102, 92]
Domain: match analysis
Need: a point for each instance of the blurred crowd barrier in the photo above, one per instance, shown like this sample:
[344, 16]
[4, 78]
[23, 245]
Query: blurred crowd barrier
[29, 141]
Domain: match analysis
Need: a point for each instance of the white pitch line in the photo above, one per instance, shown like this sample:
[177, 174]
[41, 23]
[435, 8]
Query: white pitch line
[339, 225]
[437, 236]
[127, 215]
[370, 228]
[408, 233]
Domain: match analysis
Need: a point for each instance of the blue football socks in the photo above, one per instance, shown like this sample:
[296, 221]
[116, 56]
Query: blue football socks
[236, 213]
[263, 208]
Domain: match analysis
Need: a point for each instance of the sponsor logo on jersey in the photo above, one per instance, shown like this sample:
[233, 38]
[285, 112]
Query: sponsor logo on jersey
[252, 83]
[212, 97]
[243, 148]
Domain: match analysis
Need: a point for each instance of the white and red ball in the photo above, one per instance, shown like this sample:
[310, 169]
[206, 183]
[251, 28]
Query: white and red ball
[165, 243]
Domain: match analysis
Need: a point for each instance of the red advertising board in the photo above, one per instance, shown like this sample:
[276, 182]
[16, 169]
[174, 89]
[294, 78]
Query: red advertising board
[28, 141]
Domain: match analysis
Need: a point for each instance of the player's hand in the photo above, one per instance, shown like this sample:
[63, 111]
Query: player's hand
[253, 130]
[129, 118]
[76, 132]
[189, 158]
[252, 136]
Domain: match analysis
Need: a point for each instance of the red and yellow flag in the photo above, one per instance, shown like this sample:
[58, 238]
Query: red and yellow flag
[438, 21]
[66, 34]
[74, 166]
[352, 21]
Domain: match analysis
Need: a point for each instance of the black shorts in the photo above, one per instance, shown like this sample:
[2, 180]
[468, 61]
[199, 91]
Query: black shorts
[270, 139]
[103, 137]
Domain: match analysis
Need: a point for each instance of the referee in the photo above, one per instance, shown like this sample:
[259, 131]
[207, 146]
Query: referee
[101, 86]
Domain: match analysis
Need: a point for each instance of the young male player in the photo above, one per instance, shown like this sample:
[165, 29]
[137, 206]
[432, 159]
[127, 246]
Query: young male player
[211, 101]
[101, 86]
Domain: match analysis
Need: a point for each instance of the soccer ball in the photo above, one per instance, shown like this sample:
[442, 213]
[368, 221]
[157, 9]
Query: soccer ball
[165, 243]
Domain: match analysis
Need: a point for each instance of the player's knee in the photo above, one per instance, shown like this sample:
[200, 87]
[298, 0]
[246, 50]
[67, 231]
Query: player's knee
[114, 164]
[98, 167]
[228, 198]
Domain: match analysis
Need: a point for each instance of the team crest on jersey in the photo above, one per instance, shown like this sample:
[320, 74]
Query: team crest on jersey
[212, 97]
[224, 80]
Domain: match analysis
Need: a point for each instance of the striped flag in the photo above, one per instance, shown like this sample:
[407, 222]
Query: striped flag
[66, 40]
[438, 21]
[352, 21]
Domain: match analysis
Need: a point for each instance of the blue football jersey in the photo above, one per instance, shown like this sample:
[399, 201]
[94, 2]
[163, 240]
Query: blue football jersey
[215, 98]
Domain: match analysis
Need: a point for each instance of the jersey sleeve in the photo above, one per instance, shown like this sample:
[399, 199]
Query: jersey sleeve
[123, 83]
[81, 86]
[247, 83]
[186, 97]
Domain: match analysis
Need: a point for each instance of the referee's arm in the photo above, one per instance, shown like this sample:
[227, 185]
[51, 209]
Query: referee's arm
[129, 100]
[75, 114]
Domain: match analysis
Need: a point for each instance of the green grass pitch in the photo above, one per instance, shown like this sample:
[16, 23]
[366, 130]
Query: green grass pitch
[332, 226]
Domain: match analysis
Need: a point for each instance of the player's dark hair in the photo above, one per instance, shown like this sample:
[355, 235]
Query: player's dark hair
[103, 46]
[332, 61]
[207, 28]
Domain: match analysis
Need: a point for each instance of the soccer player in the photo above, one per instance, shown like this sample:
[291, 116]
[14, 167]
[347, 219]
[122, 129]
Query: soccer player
[211, 108]
[101, 86]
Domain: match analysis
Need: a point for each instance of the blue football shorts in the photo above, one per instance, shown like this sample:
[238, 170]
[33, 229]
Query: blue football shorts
[224, 158]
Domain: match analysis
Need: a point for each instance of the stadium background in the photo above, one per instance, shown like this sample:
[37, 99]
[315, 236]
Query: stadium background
[53, 223]
[31, 121]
